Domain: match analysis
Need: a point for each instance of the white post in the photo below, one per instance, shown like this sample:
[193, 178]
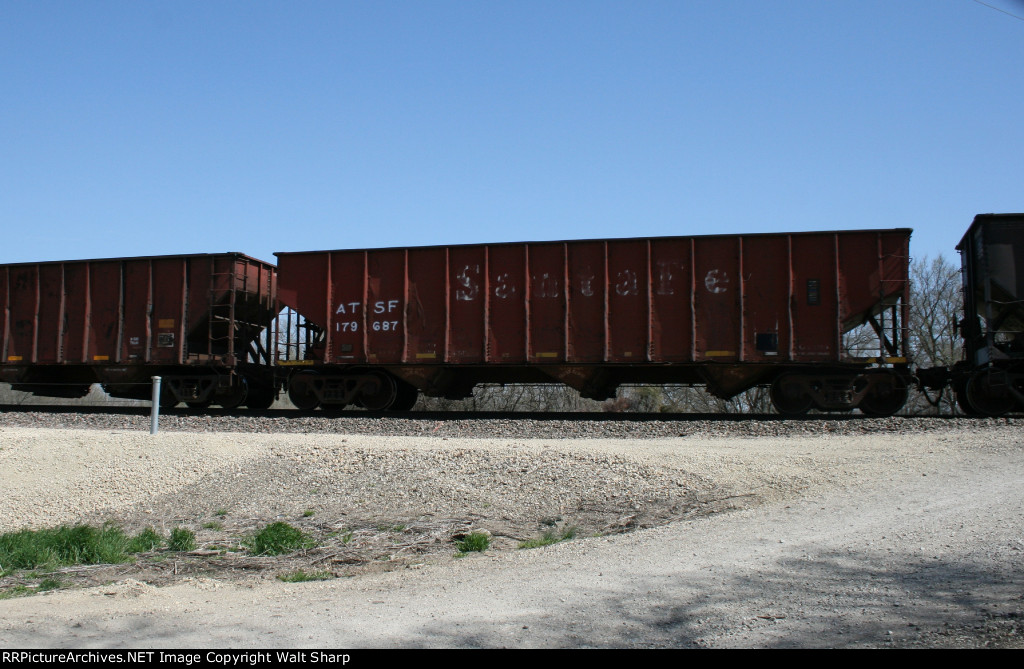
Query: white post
[154, 413]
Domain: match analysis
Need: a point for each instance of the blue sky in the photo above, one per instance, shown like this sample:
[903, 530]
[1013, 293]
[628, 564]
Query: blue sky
[144, 128]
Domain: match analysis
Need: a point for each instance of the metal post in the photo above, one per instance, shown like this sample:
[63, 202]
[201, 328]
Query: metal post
[154, 414]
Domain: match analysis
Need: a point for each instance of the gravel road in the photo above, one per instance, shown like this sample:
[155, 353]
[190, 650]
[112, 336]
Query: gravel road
[896, 532]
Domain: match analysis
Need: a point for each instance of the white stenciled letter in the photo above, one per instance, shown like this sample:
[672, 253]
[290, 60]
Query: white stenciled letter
[716, 281]
[664, 286]
[626, 283]
[503, 286]
[468, 283]
[546, 286]
[587, 282]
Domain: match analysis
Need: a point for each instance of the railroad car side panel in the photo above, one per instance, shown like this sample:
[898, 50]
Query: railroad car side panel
[717, 298]
[303, 284]
[426, 308]
[169, 314]
[207, 281]
[5, 312]
[49, 320]
[671, 320]
[76, 312]
[509, 284]
[628, 316]
[815, 307]
[347, 307]
[104, 312]
[23, 283]
[545, 324]
[588, 284]
[137, 340]
[766, 299]
[385, 306]
[466, 302]
[872, 271]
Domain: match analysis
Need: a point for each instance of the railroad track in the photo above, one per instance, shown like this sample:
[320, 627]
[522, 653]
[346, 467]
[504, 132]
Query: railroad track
[427, 416]
[481, 425]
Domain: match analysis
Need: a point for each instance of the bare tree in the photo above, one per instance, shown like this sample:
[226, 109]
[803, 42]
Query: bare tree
[936, 308]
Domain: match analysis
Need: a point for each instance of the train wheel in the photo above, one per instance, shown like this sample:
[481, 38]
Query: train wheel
[378, 393]
[988, 392]
[788, 396]
[260, 397]
[960, 393]
[198, 404]
[301, 392]
[886, 396]
[407, 396]
[168, 400]
[236, 396]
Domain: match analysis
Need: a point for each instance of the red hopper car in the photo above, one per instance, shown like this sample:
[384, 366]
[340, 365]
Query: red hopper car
[195, 320]
[729, 312]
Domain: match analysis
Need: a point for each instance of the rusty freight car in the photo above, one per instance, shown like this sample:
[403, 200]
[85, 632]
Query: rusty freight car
[195, 320]
[728, 312]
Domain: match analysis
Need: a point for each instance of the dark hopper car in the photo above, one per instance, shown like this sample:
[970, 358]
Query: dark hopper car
[989, 380]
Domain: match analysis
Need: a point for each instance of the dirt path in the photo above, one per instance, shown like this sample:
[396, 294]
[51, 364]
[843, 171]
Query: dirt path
[868, 542]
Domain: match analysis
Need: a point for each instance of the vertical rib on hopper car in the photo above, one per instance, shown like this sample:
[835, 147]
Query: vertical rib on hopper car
[194, 319]
[728, 312]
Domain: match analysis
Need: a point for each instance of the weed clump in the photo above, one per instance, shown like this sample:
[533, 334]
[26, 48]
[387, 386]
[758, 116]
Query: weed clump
[474, 542]
[301, 576]
[277, 539]
[145, 541]
[62, 546]
[550, 537]
[182, 539]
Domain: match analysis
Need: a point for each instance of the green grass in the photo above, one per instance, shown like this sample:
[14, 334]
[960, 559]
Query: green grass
[16, 591]
[277, 539]
[145, 541]
[473, 542]
[550, 537]
[213, 525]
[49, 584]
[308, 513]
[182, 539]
[303, 576]
[49, 549]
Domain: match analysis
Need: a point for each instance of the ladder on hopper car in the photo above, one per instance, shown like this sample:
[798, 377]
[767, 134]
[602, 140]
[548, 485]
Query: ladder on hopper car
[221, 323]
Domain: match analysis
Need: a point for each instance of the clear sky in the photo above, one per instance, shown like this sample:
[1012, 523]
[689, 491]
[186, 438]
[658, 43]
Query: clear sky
[145, 128]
